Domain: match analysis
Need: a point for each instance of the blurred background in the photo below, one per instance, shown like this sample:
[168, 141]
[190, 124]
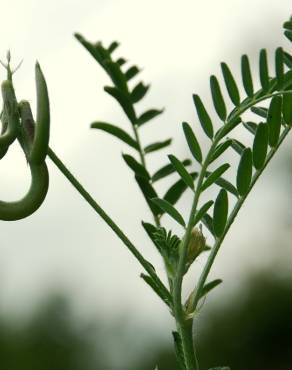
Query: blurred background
[70, 293]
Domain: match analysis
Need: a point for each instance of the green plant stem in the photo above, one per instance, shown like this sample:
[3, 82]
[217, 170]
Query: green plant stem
[189, 351]
[76, 184]
[141, 151]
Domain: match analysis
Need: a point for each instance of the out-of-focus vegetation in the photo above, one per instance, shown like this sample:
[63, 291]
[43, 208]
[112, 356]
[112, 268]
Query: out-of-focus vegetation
[253, 331]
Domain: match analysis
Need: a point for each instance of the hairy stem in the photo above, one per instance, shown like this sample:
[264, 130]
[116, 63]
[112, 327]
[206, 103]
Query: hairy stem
[81, 190]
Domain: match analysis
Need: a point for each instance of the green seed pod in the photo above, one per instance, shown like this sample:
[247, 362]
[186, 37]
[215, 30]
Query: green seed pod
[40, 143]
[10, 112]
[4, 123]
[11, 211]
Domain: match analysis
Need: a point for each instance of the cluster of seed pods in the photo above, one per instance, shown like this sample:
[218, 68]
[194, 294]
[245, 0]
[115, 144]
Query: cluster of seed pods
[19, 125]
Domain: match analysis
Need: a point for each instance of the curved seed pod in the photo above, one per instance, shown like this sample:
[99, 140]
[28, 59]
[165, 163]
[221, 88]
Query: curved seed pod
[27, 127]
[40, 143]
[4, 122]
[12, 211]
[10, 113]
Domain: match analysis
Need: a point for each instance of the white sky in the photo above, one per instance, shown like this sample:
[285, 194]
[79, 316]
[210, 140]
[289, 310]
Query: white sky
[179, 44]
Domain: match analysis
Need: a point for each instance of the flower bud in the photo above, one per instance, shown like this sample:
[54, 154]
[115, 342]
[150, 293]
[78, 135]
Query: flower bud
[196, 245]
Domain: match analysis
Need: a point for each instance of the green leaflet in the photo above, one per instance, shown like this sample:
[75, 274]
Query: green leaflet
[220, 368]
[139, 91]
[157, 146]
[288, 25]
[166, 298]
[149, 115]
[244, 172]
[260, 146]
[246, 76]
[264, 73]
[178, 347]
[230, 84]
[220, 212]
[131, 72]
[121, 61]
[117, 132]
[186, 177]
[174, 193]
[274, 120]
[220, 149]
[288, 34]
[260, 111]
[113, 46]
[124, 102]
[251, 127]
[149, 192]
[202, 211]
[169, 209]
[287, 108]
[150, 230]
[192, 142]
[40, 145]
[208, 222]
[237, 146]
[213, 176]
[116, 75]
[203, 116]
[279, 66]
[287, 58]
[225, 185]
[167, 170]
[136, 166]
[217, 97]
[210, 286]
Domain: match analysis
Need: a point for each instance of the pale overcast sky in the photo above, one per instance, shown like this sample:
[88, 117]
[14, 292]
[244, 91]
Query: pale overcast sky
[179, 44]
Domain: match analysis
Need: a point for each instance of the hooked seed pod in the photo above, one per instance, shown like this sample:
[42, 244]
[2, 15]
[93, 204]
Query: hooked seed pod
[34, 139]
[10, 123]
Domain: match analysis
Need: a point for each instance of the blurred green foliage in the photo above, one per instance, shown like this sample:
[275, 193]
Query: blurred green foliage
[252, 331]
